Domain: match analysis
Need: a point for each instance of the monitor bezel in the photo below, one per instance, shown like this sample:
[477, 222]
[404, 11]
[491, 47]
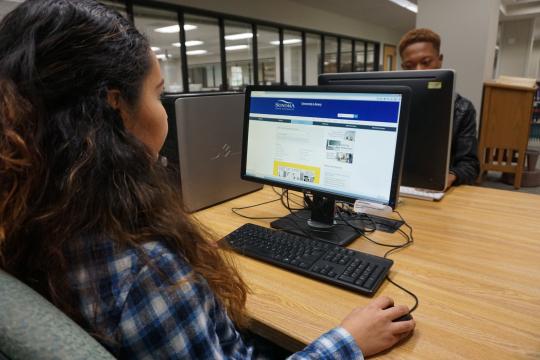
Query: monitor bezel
[405, 93]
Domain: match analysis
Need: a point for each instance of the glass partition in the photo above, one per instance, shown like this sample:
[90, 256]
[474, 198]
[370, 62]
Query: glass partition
[268, 50]
[292, 57]
[370, 61]
[360, 53]
[203, 53]
[313, 58]
[346, 56]
[162, 31]
[330, 54]
[239, 51]
[203, 48]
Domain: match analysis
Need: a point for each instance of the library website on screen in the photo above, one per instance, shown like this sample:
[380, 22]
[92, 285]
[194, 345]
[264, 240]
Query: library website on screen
[342, 143]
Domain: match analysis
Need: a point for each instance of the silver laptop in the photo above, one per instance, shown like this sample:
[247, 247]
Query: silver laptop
[209, 130]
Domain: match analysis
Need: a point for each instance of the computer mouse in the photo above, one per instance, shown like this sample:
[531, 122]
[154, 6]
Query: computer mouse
[405, 317]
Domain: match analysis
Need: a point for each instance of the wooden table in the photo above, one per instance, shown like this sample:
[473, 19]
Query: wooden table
[475, 266]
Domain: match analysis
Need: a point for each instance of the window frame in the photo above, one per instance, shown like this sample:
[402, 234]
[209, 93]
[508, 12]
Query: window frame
[182, 11]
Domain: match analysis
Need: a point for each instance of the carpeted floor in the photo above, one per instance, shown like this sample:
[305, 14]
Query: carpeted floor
[493, 180]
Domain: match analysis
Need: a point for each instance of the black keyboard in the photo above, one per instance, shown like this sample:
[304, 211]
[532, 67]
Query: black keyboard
[350, 269]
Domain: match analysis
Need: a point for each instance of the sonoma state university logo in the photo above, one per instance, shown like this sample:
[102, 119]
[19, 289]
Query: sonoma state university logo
[283, 105]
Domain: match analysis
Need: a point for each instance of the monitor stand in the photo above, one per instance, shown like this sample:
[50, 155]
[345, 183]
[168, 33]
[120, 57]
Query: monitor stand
[322, 223]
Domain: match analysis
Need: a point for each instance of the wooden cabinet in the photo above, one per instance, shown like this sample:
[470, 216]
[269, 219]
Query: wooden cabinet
[504, 127]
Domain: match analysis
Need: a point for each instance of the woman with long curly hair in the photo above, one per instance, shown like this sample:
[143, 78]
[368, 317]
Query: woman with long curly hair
[87, 217]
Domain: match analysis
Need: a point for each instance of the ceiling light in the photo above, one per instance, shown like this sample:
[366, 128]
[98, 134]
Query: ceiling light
[155, 48]
[239, 36]
[196, 52]
[236, 47]
[174, 29]
[406, 4]
[286, 41]
[161, 56]
[189, 43]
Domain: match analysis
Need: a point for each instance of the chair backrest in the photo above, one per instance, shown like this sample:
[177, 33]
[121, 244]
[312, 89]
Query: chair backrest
[32, 328]
[504, 128]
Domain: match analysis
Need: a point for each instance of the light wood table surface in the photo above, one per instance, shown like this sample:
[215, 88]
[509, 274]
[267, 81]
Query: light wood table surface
[475, 266]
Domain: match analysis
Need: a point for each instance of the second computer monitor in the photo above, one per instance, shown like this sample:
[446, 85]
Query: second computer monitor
[429, 136]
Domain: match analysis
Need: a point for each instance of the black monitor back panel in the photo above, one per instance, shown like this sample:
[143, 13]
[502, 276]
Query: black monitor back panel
[429, 134]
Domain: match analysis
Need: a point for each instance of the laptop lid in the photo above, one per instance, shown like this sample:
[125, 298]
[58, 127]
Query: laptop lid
[209, 130]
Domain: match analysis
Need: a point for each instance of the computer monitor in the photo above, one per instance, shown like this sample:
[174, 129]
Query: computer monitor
[429, 134]
[336, 143]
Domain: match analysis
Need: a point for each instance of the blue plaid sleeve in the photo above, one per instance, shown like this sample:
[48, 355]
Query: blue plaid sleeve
[335, 344]
[165, 311]
[184, 321]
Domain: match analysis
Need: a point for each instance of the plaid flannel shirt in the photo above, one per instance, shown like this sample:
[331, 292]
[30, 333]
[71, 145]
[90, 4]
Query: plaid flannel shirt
[142, 316]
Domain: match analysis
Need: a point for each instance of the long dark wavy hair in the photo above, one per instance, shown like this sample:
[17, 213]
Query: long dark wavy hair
[68, 167]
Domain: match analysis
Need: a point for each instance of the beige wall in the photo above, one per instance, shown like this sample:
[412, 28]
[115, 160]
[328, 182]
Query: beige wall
[515, 47]
[468, 31]
[534, 60]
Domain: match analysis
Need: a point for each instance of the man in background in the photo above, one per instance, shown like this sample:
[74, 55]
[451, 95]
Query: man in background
[420, 50]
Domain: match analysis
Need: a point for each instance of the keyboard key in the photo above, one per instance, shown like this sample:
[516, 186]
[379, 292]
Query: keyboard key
[347, 278]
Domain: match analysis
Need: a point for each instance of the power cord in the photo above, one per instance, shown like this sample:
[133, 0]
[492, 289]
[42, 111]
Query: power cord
[235, 210]
[281, 198]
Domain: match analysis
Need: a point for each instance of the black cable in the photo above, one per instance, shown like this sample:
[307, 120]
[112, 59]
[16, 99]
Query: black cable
[286, 195]
[416, 301]
[282, 196]
[302, 206]
[393, 246]
[370, 219]
[235, 210]
[301, 231]
[286, 205]
[299, 196]
[409, 239]
[406, 224]
[362, 230]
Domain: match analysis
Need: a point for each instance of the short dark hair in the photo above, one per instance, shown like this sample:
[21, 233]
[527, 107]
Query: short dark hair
[420, 35]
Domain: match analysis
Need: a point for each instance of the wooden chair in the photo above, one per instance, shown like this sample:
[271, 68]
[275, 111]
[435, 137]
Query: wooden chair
[504, 127]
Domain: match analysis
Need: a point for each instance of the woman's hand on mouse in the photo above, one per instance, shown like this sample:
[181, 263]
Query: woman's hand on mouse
[372, 327]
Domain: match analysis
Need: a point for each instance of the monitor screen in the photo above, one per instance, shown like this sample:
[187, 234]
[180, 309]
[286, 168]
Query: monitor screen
[342, 143]
[333, 143]
[427, 152]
